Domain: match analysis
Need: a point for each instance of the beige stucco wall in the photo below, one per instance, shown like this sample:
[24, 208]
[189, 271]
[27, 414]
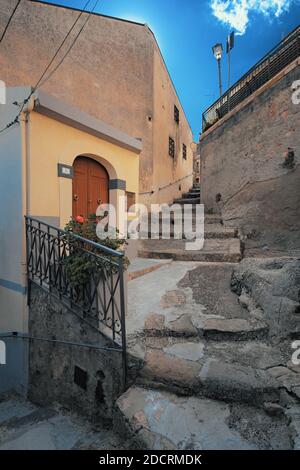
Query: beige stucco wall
[30, 152]
[13, 310]
[166, 169]
[110, 74]
[242, 159]
[52, 142]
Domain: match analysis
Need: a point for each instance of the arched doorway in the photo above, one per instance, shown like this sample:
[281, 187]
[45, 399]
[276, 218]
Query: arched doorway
[90, 186]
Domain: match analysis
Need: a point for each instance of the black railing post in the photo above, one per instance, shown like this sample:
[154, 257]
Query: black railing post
[281, 55]
[27, 262]
[123, 319]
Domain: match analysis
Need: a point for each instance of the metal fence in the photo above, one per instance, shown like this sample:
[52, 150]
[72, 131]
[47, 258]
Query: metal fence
[56, 257]
[270, 65]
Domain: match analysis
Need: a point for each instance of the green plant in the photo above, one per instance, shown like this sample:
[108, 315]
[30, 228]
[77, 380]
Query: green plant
[83, 258]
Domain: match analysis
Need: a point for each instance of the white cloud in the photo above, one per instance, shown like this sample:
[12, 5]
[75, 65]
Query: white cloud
[235, 13]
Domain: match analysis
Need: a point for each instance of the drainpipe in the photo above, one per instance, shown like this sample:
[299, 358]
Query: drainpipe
[26, 112]
[25, 118]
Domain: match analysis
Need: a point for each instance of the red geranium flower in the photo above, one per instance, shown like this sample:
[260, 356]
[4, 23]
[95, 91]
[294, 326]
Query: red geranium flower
[80, 219]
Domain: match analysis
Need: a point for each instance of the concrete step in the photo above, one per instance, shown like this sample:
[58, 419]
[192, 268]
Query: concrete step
[214, 250]
[159, 420]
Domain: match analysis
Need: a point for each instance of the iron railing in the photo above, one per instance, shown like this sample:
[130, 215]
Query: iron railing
[99, 297]
[270, 65]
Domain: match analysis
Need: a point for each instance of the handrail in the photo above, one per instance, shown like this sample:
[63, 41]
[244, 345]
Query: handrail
[94, 290]
[167, 185]
[96, 245]
[260, 73]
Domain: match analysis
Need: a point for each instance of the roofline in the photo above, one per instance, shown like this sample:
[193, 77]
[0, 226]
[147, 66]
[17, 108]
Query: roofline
[87, 11]
[172, 82]
[59, 110]
[145, 25]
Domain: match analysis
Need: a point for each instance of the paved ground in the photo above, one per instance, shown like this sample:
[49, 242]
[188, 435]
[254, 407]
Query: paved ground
[140, 266]
[24, 426]
[145, 294]
[166, 421]
[213, 374]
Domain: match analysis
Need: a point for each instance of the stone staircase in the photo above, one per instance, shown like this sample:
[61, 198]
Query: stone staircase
[192, 197]
[210, 376]
[221, 244]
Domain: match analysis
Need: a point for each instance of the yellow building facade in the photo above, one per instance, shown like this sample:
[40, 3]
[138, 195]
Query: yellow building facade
[37, 156]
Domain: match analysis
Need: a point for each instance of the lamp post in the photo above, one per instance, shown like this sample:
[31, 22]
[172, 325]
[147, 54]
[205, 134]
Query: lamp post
[217, 51]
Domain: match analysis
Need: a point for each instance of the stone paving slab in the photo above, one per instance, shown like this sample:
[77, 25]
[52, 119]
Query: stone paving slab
[176, 298]
[164, 421]
[13, 408]
[145, 296]
[140, 266]
[24, 426]
[236, 329]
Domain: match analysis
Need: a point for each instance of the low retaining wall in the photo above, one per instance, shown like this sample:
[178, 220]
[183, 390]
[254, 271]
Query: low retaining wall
[245, 172]
[84, 380]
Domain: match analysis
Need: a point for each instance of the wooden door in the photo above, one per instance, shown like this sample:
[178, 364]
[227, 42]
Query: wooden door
[90, 186]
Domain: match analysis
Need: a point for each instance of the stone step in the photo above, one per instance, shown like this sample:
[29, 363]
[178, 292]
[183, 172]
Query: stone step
[212, 378]
[214, 250]
[140, 267]
[156, 326]
[190, 195]
[210, 231]
[212, 219]
[212, 329]
[234, 329]
[189, 215]
[190, 200]
[160, 420]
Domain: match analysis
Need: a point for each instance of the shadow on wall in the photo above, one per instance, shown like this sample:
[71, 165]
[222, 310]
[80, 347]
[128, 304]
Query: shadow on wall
[250, 167]
[268, 213]
[83, 380]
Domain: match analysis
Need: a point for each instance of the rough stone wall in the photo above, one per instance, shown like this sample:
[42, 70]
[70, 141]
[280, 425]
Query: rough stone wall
[109, 73]
[52, 365]
[243, 160]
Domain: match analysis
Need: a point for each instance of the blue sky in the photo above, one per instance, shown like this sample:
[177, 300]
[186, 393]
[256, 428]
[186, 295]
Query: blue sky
[187, 29]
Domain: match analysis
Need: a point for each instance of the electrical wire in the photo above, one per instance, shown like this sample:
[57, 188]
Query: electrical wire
[62, 44]
[40, 81]
[9, 20]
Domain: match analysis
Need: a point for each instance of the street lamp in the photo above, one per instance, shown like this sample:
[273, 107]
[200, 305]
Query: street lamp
[218, 50]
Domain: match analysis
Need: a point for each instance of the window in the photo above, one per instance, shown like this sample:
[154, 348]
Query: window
[184, 151]
[80, 377]
[171, 147]
[176, 114]
[130, 200]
